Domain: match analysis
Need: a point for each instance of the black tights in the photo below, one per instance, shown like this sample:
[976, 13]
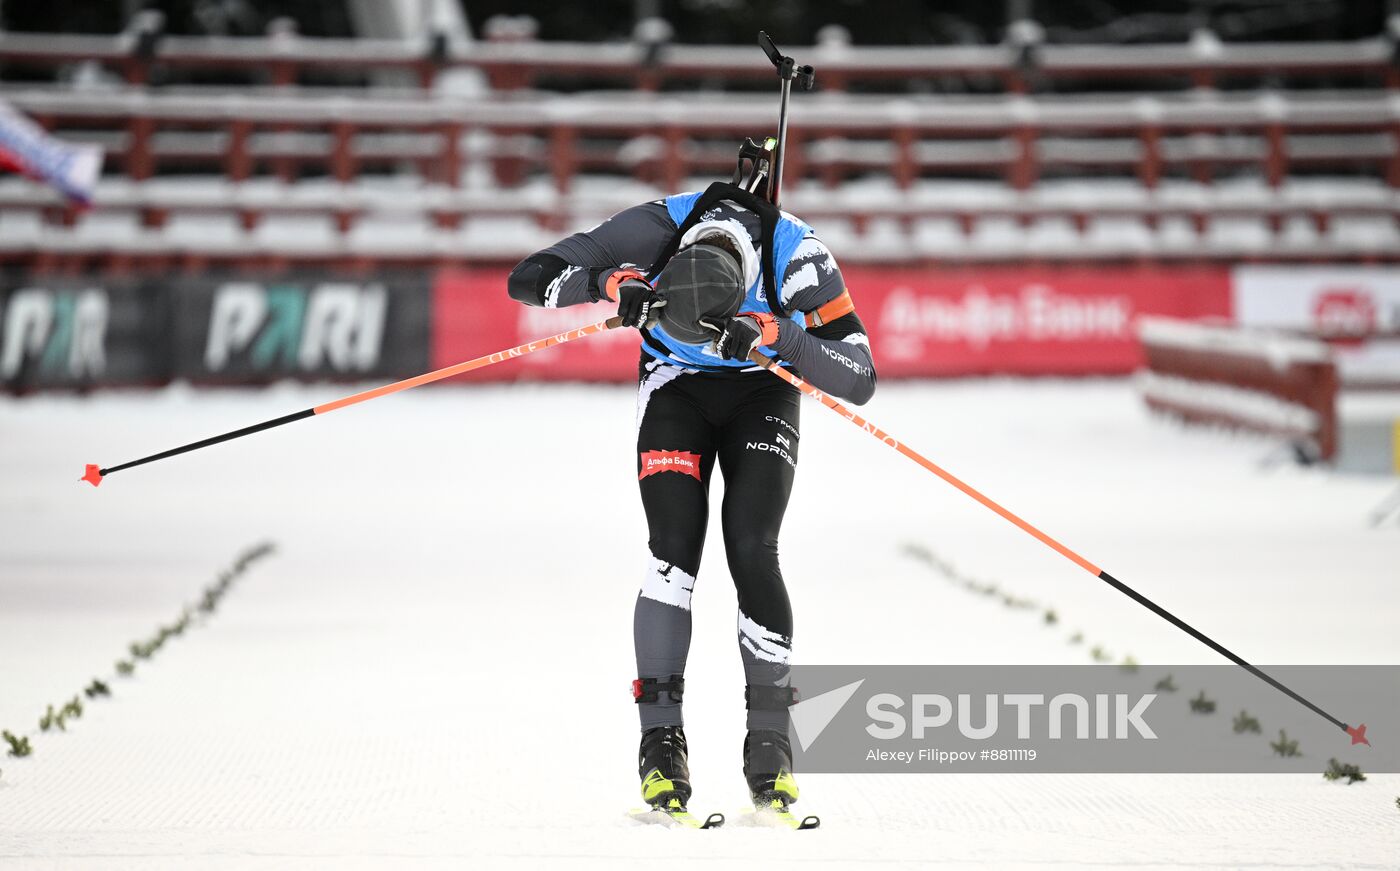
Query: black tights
[749, 422]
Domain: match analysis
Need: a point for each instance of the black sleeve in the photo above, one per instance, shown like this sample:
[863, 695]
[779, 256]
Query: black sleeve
[568, 272]
[835, 357]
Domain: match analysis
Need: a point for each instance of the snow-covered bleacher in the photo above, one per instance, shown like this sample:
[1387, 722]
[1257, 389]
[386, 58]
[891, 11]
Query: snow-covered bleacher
[516, 60]
[1278, 168]
[873, 220]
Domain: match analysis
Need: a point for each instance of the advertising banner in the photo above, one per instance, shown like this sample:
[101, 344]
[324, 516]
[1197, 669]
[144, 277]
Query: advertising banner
[1356, 307]
[246, 330]
[1014, 320]
[249, 329]
[923, 322]
[73, 333]
[473, 315]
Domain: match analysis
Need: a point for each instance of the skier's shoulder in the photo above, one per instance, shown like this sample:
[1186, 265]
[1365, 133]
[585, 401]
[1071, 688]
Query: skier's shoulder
[680, 205]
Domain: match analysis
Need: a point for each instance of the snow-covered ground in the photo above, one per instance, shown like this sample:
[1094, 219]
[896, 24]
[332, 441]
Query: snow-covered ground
[433, 669]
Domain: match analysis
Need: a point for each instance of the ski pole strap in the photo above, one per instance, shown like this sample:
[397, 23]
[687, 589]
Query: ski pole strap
[830, 311]
[649, 689]
[769, 698]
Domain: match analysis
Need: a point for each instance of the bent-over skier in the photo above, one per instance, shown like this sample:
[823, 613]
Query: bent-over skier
[700, 399]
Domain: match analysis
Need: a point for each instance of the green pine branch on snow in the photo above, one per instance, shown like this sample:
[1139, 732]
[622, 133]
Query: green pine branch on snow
[1336, 771]
[1245, 723]
[1202, 705]
[179, 626]
[1285, 747]
[19, 745]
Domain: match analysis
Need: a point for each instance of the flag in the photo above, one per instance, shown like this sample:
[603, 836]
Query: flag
[27, 148]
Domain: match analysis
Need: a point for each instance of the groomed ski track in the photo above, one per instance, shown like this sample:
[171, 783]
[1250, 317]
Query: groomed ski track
[432, 671]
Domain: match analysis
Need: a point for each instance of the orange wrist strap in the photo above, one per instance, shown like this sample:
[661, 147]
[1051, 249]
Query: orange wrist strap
[610, 287]
[767, 326]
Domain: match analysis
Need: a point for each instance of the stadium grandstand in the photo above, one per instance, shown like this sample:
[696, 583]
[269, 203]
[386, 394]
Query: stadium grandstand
[1009, 187]
[442, 143]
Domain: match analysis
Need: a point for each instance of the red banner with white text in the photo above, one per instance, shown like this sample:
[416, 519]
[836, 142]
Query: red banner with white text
[1014, 320]
[472, 316]
[923, 322]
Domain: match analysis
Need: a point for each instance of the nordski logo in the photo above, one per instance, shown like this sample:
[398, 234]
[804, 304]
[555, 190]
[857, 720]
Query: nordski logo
[654, 462]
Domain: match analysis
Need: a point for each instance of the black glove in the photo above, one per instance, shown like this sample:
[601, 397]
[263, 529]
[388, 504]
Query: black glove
[739, 336]
[635, 297]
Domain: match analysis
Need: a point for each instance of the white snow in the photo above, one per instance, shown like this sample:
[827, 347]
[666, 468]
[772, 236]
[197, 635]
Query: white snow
[433, 670]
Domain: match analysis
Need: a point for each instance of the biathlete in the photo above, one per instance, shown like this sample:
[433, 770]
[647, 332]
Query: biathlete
[708, 278]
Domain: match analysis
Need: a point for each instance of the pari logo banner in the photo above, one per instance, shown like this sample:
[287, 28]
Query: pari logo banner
[288, 326]
[58, 334]
[83, 334]
[972, 320]
[1088, 718]
[328, 328]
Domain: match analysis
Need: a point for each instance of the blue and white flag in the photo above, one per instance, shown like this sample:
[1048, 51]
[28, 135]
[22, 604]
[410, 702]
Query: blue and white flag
[27, 148]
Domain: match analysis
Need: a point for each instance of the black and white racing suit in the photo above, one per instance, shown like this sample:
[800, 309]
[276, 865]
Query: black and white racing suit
[689, 417]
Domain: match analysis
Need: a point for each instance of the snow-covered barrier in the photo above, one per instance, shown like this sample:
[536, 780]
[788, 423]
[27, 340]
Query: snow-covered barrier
[1225, 375]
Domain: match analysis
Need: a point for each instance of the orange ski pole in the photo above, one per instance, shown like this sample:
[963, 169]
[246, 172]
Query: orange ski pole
[1357, 733]
[94, 475]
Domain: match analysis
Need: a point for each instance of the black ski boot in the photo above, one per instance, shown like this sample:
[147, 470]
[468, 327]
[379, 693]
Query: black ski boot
[768, 769]
[664, 768]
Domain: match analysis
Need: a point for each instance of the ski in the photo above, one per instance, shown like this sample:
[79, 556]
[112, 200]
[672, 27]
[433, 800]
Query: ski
[675, 817]
[777, 816]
